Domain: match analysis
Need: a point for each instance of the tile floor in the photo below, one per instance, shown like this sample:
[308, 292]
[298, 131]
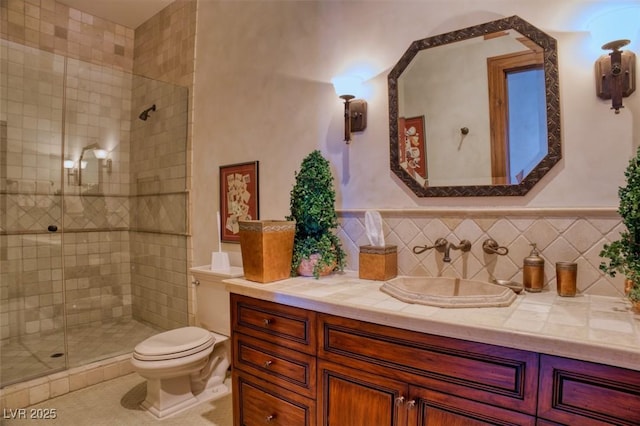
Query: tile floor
[30, 355]
[116, 403]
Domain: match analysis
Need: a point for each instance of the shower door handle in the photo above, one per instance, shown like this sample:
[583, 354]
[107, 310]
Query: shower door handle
[52, 228]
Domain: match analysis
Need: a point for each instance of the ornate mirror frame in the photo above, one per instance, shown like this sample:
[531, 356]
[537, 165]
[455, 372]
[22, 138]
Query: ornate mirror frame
[550, 54]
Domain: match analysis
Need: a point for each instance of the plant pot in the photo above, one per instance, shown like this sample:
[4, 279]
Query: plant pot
[267, 249]
[307, 265]
[628, 285]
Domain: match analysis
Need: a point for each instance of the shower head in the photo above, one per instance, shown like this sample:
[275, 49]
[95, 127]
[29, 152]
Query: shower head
[145, 114]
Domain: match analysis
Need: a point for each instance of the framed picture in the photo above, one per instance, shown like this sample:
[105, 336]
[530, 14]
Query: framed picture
[238, 198]
[413, 152]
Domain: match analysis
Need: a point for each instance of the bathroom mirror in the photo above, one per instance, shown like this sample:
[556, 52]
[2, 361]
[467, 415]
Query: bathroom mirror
[476, 112]
[91, 171]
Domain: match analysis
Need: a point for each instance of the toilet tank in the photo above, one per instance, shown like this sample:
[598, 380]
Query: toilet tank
[212, 300]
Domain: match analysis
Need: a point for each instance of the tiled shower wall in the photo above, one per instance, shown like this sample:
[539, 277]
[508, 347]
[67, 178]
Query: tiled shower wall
[158, 210]
[99, 61]
[165, 50]
[37, 36]
[54, 27]
[95, 108]
[575, 235]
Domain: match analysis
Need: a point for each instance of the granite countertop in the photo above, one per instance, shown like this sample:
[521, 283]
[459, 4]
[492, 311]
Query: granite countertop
[590, 328]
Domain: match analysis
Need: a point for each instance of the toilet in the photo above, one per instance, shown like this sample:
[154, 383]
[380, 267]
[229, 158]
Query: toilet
[188, 365]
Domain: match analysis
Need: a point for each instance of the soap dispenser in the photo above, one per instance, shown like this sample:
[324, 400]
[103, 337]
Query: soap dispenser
[533, 271]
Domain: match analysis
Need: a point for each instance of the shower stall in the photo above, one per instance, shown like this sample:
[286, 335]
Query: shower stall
[93, 223]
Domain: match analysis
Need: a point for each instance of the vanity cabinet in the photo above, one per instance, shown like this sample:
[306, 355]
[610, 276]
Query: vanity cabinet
[296, 367]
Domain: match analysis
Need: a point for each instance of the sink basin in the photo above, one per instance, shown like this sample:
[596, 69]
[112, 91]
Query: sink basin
[447, 292]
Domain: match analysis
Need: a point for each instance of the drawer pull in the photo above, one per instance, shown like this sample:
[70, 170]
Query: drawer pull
[411, 403]
[267, 364]
[267, 322]
[270, 418]
[399, 400]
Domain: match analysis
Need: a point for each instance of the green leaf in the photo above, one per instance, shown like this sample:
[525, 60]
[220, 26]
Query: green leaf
[312, 206]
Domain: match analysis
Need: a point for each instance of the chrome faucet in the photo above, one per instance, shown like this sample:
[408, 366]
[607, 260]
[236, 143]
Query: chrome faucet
[444, 246]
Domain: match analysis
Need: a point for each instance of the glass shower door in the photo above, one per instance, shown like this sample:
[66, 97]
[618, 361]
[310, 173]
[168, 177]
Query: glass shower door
[32, 341]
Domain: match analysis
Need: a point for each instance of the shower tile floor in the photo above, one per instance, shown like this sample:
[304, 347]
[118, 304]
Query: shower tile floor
[30, 356]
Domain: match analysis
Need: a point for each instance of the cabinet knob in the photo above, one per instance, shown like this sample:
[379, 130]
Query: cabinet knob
[270, 418]
[411, 403]
[267, 322]
[268, 363]
[400, 400]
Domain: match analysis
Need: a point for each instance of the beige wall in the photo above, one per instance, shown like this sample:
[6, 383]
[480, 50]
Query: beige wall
[263, 92]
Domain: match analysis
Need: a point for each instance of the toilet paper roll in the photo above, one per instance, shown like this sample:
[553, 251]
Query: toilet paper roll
[220, 261]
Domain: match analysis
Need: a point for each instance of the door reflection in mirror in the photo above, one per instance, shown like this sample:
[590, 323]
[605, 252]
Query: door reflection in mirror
[527, 124]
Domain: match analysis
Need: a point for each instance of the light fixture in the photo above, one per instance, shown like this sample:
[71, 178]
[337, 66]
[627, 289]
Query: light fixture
[102, 154]
[616, 73]
[69, 166]
[612, 27]
[99, 153]
[355, 110]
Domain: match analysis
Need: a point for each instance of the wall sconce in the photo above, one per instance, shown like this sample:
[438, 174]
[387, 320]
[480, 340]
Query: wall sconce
[616, 74]
[355, 110]
[355, 116]
[69, 166]
[102, 154]
[74, 169]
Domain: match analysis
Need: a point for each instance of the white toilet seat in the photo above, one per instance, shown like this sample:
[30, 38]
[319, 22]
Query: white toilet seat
[172, 344]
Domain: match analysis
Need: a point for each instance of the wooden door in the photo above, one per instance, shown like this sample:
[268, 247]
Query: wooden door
[350, 397]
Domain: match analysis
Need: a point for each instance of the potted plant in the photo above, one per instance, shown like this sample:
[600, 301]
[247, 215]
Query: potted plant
[315, 246]
[624, 254]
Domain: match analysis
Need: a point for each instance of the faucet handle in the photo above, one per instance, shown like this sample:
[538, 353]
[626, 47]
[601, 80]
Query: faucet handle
[490, 246]
[439, 245]
[464, 246]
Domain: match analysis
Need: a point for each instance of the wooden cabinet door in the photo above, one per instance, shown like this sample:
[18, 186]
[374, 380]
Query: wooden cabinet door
[350, 397]
[431, 408]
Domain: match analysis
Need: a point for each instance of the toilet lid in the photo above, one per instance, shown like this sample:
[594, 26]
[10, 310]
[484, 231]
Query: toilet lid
[174, 343]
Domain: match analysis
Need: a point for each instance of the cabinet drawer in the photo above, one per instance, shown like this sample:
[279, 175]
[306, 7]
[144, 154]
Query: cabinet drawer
[291, 327]
[486, 373]
[435, 408]
[256, 402]
[577, 392]
[284, 367]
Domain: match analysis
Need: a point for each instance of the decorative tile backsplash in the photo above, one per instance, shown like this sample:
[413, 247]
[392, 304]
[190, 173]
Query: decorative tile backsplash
[575, 235]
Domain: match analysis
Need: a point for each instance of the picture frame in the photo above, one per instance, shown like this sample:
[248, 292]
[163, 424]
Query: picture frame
[239, 198]
[413, 149]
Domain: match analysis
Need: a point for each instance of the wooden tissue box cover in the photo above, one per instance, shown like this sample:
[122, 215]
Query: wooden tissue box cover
[378, 263]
